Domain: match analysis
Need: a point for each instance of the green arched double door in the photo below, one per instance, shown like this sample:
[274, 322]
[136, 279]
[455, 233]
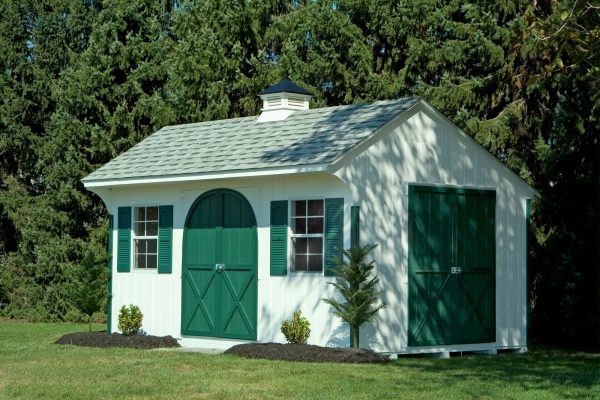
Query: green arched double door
[219, 288]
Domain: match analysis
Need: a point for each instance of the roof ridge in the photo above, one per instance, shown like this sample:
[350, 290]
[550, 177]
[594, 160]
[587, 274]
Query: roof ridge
[207, 122]
[345, 106]
[311, 110]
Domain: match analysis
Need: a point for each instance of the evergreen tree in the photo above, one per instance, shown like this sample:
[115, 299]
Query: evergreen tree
[212, 75]
[95, 90]
[39, 41]
[563, 114]
[318, 46]
[89, 294]
[82, 81]
[357, 286]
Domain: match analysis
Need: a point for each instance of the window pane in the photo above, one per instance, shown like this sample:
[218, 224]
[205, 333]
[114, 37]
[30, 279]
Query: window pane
[300, 263]
[151, 246]
[315, 207]
[151, 228]
[315, 225]
[315, 245]
[299, 225]
[300, 208]
[138, 228]
[300, 245]
[141, 261]
[152, 213]
[140, 246]
[151, 261]
[315, 263]
[140, 213]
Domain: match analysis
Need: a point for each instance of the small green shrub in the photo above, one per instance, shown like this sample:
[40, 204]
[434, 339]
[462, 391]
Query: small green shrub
[130, 320]
[297, 329]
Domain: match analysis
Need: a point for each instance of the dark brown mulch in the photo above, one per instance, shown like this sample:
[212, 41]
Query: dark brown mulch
[306, 352]
[103, 339]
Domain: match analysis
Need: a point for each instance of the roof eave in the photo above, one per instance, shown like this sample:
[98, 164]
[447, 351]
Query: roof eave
[248, 173]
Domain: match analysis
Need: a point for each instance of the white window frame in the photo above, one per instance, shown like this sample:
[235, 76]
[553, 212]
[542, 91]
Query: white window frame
[291, 236]
[135, 237]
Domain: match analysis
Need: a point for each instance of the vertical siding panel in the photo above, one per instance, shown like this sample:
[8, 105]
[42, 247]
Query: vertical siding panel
[512, 223]
[469, 159]
[500, 270]
[521, 246]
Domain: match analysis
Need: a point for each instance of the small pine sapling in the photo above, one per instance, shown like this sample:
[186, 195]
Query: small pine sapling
[89, 294]
[357, 285]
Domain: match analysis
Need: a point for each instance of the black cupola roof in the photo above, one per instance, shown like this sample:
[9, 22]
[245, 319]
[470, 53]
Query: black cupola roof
[285, 86]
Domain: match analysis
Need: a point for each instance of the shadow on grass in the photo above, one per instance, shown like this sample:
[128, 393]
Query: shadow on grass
[541, 369]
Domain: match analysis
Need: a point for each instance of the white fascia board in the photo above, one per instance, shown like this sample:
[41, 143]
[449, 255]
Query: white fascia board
[207, 176]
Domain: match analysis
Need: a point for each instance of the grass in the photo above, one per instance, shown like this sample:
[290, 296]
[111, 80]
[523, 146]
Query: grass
[31, 366]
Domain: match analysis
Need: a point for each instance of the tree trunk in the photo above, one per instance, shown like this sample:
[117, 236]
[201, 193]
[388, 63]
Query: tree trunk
[354, 332]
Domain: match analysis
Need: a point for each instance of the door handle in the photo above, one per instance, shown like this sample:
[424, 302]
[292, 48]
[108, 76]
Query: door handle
[456, 270]
[219, 268]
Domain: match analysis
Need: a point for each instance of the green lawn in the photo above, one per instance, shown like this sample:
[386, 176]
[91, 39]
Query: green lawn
[31, 366]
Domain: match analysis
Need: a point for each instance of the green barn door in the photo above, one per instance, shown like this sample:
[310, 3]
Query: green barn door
[430, 262]
[476, 258]
[451, 266]
[219, 289]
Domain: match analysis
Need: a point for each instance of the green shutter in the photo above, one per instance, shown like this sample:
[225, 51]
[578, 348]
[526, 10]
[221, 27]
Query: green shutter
[279, 227]
[110, 267]
[124, 240]
[354, 226]
[334, 232]
[165, 239]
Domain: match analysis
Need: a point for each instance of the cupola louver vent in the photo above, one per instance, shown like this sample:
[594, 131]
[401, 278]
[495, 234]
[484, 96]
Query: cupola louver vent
[282, 100]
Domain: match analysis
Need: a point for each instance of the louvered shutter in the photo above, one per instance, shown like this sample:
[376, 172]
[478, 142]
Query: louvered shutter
[165, 239]
[279, 227]
[334, 232]
[124, 240]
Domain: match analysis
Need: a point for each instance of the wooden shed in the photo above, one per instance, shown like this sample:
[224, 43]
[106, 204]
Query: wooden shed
[222, 229]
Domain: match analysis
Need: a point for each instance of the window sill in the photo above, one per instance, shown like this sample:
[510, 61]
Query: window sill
[145, 271]
[306, 273]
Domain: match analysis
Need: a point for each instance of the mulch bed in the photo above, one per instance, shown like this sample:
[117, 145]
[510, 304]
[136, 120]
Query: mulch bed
[103, 339]
[306, 352]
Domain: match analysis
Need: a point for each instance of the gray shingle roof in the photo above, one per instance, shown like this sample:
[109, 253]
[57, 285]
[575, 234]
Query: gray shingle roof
[316, 136]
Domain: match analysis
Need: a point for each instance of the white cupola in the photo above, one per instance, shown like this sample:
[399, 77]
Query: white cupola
[283, 99]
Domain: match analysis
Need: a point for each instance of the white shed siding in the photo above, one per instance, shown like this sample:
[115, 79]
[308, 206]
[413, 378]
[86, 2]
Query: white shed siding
[422, 147]
[159, 295]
